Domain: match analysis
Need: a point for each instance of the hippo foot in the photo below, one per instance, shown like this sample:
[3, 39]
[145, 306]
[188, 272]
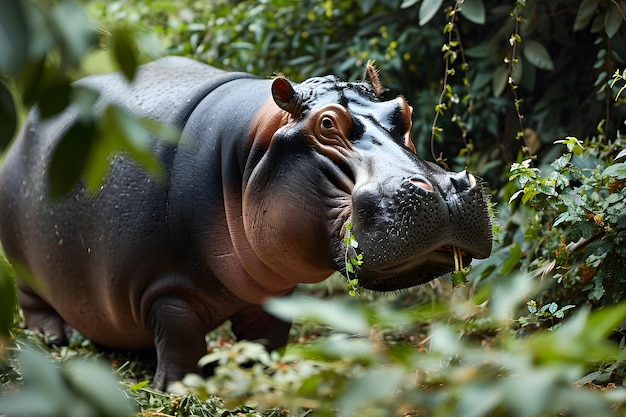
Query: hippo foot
[179, 337]
[179, 340]
[42, 318]
[55, 331]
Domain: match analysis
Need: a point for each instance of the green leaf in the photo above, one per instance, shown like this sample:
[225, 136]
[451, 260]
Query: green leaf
[530, 392]
[341, 347]
[584, 335]
[338, 314]
[8, 116]
[37, 370]
[367, 5]
[613, 20]
[515, 254]
[602, 322]
[140, 385]
[509, 294]
[408, 3]
[119, 131]
[125, 51]
[538, 55]
[428, 10]
[617, 171]
[136, 139]
[54, 95]
[499, 80]
[585, 13]
[84, 99]
[478, 400]
[444, 340]
[573, 145]
[74, 31]
[14, 36]
[553, 307]
[104, 397]
[474, 11]
[69, 158]
[8, 302]
[378, 385]
[478, 51]
[29, 81]
[597, 24]
[73, 388]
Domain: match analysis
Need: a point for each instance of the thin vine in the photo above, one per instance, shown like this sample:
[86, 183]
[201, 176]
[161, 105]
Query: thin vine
[514, 40]
[452, 50]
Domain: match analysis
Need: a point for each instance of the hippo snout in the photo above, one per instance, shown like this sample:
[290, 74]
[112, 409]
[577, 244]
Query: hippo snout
[407, 226]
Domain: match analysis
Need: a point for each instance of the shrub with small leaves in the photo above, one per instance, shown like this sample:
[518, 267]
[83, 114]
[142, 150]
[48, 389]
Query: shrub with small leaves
[579, 203]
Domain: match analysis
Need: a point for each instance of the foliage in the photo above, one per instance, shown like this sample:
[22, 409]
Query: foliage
[581, 197]
[47, 46]
[78, 387]
[358, 371]
[558, 63]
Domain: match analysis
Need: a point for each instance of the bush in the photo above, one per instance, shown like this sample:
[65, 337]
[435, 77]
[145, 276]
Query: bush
[560, 54]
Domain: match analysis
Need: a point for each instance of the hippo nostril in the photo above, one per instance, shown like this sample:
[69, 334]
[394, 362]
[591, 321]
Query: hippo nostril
[463, 181]
[421, 183]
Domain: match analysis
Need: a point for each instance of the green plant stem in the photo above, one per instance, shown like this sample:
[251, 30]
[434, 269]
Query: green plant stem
[511, 81]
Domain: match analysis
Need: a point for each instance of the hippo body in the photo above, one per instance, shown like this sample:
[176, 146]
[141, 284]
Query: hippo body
[256, 199]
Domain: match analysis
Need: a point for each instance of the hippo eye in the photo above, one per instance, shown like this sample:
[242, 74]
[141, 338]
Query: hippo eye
[332, 126]
[327, 122]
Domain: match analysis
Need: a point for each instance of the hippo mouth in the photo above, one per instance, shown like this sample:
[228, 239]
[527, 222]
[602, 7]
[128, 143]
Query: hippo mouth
[418, 270]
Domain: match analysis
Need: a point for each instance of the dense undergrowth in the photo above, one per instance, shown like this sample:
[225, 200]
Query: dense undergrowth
[525, 93]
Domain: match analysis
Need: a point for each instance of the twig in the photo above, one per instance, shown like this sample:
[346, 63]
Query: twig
[583, 242]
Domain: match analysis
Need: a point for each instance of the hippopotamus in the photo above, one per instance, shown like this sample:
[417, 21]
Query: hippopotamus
[257, 196]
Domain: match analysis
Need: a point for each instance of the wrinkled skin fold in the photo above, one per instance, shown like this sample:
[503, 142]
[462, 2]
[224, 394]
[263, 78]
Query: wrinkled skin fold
[260, 187]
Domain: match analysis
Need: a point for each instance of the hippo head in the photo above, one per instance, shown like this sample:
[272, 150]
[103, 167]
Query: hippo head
[341, 156]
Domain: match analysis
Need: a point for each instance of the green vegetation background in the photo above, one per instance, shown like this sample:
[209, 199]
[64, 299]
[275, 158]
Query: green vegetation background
[524, 93]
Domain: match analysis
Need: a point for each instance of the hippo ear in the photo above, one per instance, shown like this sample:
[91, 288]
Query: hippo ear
[371, 77]
[286, 97]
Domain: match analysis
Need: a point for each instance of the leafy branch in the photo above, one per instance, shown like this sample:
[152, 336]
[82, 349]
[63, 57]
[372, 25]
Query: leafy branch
[352, 262]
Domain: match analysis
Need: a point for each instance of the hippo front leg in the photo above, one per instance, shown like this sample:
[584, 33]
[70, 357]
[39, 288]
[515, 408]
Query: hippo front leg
[179, 338]
[255, 324]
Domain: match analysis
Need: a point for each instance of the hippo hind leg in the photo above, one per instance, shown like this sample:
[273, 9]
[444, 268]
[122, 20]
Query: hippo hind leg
[41, 317]
[255, 324]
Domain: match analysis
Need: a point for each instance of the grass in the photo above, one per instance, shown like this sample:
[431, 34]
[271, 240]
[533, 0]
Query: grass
[134, 369]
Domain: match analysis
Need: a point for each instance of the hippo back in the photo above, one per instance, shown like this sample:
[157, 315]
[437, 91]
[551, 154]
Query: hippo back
[119, 235]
